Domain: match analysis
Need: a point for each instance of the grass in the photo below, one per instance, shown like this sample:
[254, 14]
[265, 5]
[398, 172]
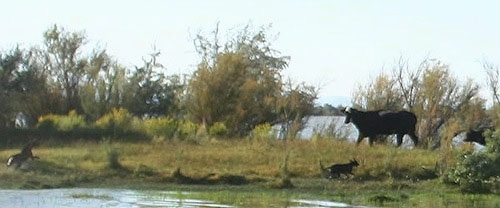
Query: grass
[91, 196]
[248, 173]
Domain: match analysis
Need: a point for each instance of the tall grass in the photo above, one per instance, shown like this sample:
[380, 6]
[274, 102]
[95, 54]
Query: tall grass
[243, 157]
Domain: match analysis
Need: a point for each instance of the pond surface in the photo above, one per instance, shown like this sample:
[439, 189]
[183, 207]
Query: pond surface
[84, 197]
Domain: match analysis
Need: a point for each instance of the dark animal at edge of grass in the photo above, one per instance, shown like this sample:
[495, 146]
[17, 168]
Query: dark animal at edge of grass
[18, 159]
[382, 122]
[335, 170]
[475, 136]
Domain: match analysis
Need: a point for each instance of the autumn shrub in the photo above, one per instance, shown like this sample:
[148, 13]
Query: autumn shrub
[477, 171]
[160, 127]
[187, 130]
[116, 122]
[263, 132]
[218, 129]
[68, 122]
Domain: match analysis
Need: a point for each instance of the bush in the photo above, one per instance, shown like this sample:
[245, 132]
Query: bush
[160, 127]
[263, 132]
[68, 122]
[187, 130]
[477, 172]
[219, 129]
[118, 121]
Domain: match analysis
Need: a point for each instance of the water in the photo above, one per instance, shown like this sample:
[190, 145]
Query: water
[80, 197]
[87, 197]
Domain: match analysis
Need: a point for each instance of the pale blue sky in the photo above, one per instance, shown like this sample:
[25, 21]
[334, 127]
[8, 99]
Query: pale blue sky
[336, 45]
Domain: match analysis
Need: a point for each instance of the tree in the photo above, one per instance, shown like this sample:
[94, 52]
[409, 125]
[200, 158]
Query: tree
[296, 103]
[103, 87]
[238, 83]
[493, 84]
[62, 60]
[9, 66]
[148, 92]
[441, 98]
[429, 91]
[383, 93]
[24, 90]
[493, 78]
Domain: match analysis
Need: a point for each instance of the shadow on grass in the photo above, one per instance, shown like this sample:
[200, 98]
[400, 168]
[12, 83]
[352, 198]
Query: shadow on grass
[213, 179]
[41, 174]
[228, 179]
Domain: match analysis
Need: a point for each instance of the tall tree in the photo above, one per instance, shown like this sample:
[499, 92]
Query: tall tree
[238, 82]
[493, 85]
[9, 66]
[24, 89]
[103, 87]
[148, 92]
[493, 80]
[63, 60]
[441, 98]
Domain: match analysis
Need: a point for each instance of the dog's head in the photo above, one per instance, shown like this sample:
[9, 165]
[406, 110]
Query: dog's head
[354, 162]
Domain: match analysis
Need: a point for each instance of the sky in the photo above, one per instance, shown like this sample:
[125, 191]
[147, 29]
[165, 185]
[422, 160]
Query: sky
[334, 45]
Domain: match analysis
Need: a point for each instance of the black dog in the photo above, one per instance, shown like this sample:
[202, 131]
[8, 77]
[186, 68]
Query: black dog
[18, 159]
[337, 169]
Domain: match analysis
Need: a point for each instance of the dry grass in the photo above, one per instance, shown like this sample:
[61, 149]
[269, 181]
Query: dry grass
[242, 157]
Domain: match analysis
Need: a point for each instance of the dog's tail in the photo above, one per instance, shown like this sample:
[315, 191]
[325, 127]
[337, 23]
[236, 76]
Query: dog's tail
[325, 172]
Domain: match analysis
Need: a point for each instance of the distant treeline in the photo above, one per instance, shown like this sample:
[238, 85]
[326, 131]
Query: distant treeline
[238, 83]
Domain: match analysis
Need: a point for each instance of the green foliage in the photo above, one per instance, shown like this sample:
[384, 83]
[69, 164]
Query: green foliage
[23, 88]
[9, 63]
[69, 122]
[295, 103]
[104, 86]
[241, 85]
[161, 127]
[382, 93]
[149, 92]
[284, 181]
[62, 58]
[118, 121]
[477, 172]
[219, 130]
[187, 130]
[202, 132]
[263, 132]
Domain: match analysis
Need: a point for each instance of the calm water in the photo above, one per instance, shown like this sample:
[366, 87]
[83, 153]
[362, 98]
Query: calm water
[82, 197]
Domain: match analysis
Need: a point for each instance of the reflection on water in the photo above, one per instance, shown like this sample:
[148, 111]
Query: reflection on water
[82, 197]
[316, 203]
[99, 198]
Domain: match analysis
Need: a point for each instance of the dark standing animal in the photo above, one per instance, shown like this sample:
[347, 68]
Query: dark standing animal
[382, 122]
[337, 169]
[475, 136]
[18, 159]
